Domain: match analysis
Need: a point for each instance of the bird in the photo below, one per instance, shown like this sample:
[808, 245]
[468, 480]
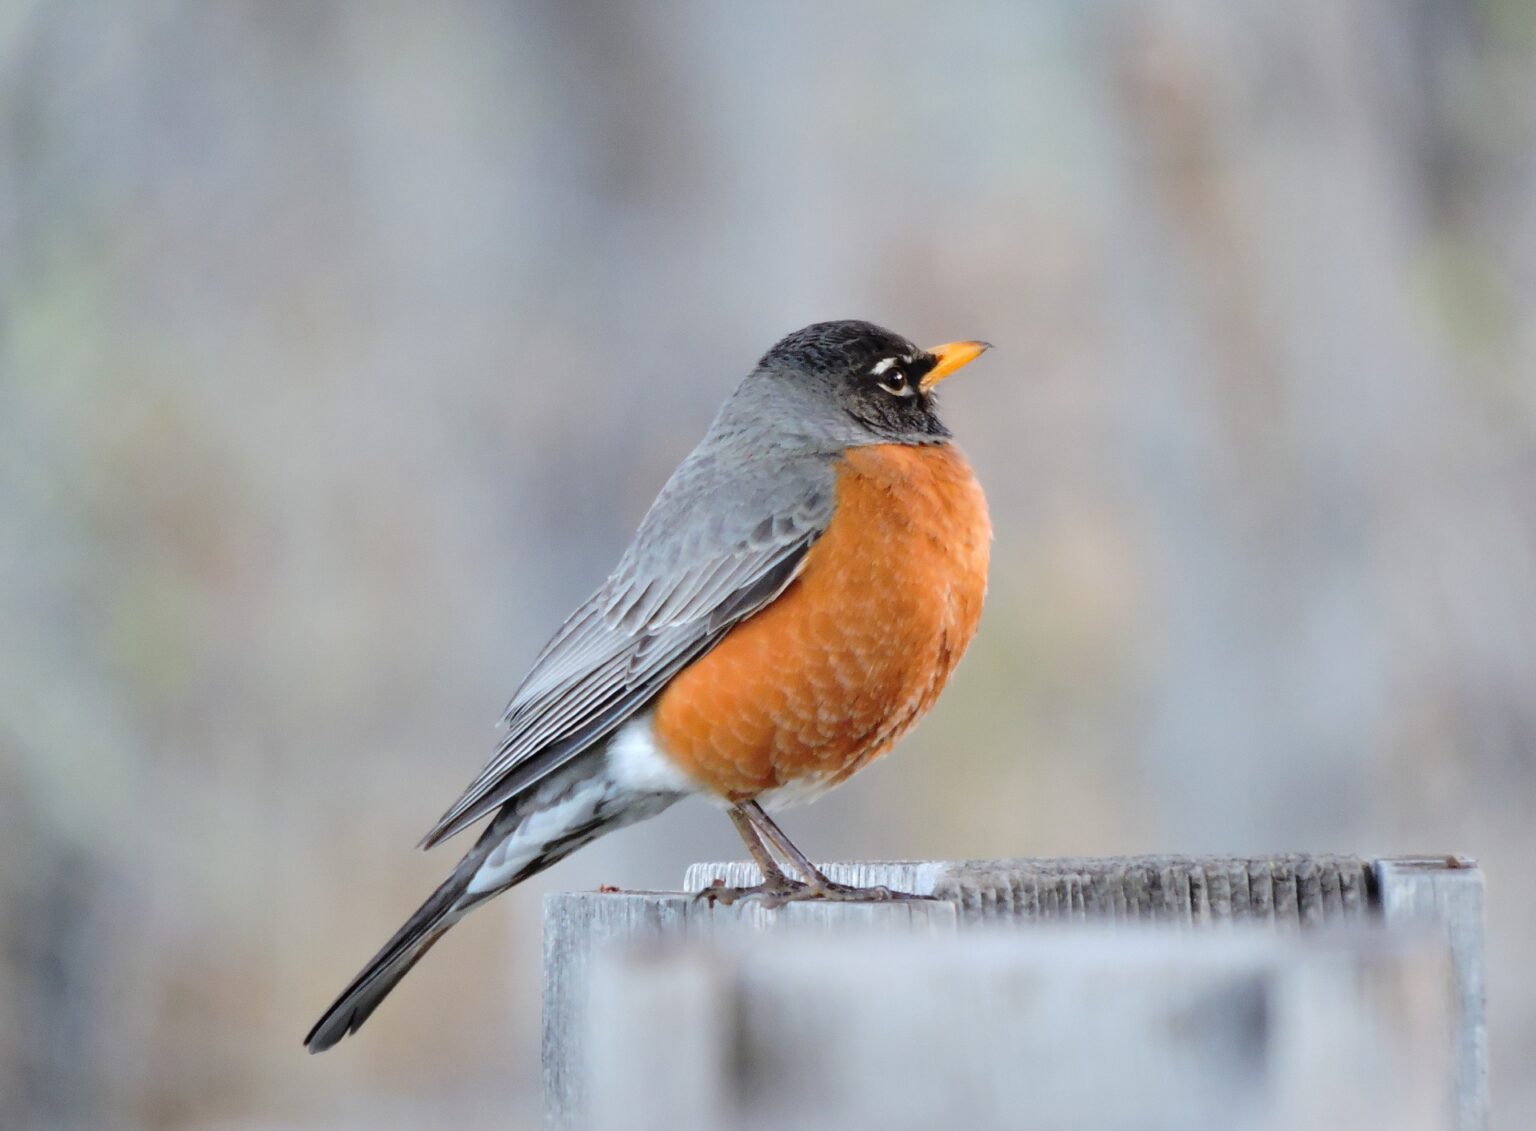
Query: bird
[794, 600]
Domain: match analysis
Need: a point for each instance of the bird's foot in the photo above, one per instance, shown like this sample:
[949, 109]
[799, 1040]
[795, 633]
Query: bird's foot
[777, 891]
[834, 892]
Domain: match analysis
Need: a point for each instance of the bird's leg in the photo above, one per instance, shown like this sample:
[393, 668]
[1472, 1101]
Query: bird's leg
[817, 885]
[776, 887]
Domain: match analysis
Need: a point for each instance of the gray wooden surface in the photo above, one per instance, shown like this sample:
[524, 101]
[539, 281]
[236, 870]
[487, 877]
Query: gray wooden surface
[578, 925]
[1284, 894]
[1283, 891]
[1049, 1030]
[1448, 893]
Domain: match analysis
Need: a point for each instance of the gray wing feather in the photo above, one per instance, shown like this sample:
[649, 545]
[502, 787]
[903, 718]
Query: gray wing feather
[713, 550]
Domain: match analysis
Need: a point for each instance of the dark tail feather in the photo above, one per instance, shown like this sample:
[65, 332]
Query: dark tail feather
[362, 996]
[452, 901]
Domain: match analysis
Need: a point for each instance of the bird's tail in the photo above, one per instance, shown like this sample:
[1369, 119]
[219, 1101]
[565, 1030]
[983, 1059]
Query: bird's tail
[526, 836]
[363, 994]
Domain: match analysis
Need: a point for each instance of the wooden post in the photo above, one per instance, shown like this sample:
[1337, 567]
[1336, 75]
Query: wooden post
[1285, 894]
[1132, 1030]
[1446, 892]
[1280, 891]
[579, 925]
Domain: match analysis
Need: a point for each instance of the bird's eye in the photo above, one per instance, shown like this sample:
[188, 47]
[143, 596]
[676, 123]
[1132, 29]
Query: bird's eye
[895, 382]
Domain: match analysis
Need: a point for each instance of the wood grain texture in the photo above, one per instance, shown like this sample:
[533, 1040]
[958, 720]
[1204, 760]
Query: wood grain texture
[1283, 891]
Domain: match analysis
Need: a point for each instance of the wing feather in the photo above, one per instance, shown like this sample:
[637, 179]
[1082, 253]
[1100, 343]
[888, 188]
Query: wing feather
[699, 565]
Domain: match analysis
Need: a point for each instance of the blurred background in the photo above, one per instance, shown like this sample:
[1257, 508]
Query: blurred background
[342, 346]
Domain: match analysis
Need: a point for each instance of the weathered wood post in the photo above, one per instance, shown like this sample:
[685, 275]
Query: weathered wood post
[580, 925]
[1078, 1027]
[684, 976]
[1447, 892]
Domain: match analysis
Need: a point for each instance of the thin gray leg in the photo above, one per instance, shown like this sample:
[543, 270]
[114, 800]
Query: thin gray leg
[817, 885]
[776, 888]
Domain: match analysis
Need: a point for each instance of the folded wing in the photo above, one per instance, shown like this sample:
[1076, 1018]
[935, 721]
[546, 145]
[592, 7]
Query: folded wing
[711, 552]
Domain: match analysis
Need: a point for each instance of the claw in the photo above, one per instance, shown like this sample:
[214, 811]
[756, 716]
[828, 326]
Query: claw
[847, 893]
[773, 892]
[775, 895]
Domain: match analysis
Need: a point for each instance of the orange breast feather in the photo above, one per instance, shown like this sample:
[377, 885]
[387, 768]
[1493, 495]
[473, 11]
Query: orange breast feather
[859, 645]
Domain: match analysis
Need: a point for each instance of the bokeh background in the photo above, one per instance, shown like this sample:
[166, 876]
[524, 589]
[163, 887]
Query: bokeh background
[342, 345]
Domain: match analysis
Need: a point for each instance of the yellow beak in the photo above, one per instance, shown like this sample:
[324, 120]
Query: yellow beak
[951, 356]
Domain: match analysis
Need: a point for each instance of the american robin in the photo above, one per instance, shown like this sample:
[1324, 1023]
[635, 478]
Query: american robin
[792, 603]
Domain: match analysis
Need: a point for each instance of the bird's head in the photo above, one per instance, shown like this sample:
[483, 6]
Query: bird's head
[867, 379]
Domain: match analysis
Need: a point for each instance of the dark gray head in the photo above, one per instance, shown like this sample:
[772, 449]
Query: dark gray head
[858, 381]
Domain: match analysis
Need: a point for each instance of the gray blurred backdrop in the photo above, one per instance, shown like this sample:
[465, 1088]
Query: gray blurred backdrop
[342, 345]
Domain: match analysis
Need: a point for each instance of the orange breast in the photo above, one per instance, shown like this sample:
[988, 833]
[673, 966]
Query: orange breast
[858, 646]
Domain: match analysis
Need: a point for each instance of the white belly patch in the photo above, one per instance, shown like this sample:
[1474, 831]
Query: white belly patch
[635, 762]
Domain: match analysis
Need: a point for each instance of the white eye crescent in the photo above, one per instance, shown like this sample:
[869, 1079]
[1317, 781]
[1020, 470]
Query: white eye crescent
[893, 379]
